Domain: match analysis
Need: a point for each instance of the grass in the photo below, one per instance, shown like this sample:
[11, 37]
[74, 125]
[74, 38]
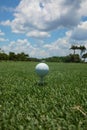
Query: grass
[61, 104]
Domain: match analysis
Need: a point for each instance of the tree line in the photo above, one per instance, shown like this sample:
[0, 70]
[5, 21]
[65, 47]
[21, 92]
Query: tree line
[16, 57]
[25, 57]
[82, 50]
[13, 56]
[71, 57]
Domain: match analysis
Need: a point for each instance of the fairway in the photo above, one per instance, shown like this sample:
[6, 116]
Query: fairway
[60, 104]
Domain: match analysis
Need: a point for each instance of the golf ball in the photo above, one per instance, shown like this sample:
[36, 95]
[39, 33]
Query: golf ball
[42, 69]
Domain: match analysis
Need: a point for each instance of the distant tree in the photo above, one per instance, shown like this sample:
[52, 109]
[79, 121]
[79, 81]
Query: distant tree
[22, 56]
[55, 59]
[74, 48]
[84, 56]
[12, 56]
[68, 58]
[82, 49]
[34, 59]
[72, 58]
[1, 51]
[3, 56]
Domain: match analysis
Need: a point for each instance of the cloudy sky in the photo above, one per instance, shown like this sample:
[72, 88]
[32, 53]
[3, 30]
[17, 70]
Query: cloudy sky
[42, 28]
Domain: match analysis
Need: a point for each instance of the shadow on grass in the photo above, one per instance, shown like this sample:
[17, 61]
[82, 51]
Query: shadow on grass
[41, 84]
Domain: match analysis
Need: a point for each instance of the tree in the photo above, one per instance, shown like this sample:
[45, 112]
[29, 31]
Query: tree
[84, 56]
[3, 56]
[1, 51]
[12, 56]
[22, 56]
[82, 48]
[72, 58]
[74, 48]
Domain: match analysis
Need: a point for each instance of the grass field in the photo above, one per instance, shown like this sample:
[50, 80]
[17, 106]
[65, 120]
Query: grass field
[61, 104]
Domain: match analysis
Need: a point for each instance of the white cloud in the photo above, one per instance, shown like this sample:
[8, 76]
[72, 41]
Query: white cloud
[38, 34]
[83, 9]
[60, 47]
[44, 16]
[37, 18]
[80, 32]
[24, 46]
[3, 39]
[83, 25]
[6, 23]
[57, 48]
[2, 33]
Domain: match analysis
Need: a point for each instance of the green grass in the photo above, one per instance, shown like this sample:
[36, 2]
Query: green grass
[60, 104]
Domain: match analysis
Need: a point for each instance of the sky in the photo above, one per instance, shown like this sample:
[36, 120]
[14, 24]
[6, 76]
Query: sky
[42, 28]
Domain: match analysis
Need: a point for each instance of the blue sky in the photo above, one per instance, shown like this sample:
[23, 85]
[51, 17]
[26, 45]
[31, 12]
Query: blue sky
[42, 28]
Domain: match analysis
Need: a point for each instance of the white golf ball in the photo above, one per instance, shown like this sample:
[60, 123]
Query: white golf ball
[42, 69]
